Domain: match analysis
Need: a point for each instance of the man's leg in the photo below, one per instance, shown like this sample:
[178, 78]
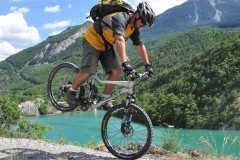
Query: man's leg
[79, 79]
[90, 57]
[112, 65]
[114, 76]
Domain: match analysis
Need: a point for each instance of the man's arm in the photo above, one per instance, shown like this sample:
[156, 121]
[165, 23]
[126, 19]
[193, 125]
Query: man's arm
[120, 47]
[121, 50]
[141, 49]
[142, 52]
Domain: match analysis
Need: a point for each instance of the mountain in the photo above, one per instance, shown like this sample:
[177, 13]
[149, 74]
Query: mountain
[48, 49]
[190, 37]
[26, 66]
[191, 14]
[197, 13]
[203, 93]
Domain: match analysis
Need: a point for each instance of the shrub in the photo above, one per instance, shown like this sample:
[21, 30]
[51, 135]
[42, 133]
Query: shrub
[9, 112]
[171, 141]
[32, 130]
[43, 109]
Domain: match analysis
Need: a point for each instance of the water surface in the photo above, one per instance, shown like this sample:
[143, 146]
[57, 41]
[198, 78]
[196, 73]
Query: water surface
[80, 127]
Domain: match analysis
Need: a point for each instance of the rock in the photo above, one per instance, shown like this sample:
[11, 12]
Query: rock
[62, 46]
[101, 148]
[29, 107]
[58, 112]
[193, 153]
[157, 150]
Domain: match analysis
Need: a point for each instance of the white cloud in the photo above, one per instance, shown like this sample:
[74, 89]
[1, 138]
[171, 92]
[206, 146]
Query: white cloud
[159, 6]
[19, 10]
[57, 25]
[14, 28]
[13, 8]
[6, 49]
[52, 9]
[55, 33]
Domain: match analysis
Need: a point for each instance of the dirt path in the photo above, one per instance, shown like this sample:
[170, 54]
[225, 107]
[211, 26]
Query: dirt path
[41, 150]
[25, 149]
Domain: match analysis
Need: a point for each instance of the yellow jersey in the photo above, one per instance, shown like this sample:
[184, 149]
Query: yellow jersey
[117, 24]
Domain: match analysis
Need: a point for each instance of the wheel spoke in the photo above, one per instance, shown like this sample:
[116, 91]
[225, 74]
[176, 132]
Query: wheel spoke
[60, 76]
[129, 140]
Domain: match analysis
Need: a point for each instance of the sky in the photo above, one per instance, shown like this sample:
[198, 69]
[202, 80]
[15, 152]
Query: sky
[25, 23]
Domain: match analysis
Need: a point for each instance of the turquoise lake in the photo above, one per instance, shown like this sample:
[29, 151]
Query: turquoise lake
[80, 127]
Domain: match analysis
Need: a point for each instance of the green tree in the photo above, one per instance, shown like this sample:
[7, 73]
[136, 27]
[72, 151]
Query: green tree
[32, 130]
[9, 112]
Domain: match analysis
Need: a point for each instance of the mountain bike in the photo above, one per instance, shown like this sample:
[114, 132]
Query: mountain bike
[126, 128]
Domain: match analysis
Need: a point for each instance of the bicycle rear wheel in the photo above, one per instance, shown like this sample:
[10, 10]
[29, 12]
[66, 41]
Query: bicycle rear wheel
[127, 141]
[59, 81]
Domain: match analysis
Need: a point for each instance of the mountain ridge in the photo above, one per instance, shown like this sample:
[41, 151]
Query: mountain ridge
[195, 14]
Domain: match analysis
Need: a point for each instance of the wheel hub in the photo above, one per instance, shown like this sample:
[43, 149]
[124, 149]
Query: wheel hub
[126, 129]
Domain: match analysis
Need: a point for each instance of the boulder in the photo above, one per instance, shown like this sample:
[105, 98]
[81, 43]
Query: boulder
[29, 107]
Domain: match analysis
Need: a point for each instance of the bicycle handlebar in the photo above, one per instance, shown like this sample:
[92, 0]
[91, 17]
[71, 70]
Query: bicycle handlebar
[134, 75]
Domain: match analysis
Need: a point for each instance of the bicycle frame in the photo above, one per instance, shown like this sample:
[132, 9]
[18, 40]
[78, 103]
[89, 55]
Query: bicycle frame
[128, 111]
[127, 88]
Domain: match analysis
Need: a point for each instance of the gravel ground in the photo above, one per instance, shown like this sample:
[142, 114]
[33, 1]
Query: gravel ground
[25, 149]
[40, 150]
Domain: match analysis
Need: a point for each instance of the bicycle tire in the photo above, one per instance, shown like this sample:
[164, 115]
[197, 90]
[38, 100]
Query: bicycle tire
[50, 88]
[109, 144]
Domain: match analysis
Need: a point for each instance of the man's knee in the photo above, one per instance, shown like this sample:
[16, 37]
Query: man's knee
[116, 73]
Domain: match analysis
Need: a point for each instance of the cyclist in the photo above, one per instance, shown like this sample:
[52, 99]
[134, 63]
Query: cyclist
[115, 29]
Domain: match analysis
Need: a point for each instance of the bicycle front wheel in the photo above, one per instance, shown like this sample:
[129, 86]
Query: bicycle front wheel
[127, 139]
[60, 79]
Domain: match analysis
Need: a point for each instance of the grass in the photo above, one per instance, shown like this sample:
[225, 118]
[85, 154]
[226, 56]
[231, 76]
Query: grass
[92, 143]
[171, 141]
[209, 146]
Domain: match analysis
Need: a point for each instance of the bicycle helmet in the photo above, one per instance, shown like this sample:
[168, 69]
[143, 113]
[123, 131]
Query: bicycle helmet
[146, 13]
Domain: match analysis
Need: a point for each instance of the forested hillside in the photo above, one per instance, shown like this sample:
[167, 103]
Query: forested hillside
[201, 93]
[25, 74]
[178, 93]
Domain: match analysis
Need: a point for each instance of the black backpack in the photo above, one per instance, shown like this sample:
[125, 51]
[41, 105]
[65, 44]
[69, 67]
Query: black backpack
[100, 10]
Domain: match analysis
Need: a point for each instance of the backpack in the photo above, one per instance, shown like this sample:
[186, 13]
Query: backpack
[106, 7]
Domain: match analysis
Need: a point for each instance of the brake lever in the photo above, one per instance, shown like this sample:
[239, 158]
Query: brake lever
[134, 75]
[143, 75]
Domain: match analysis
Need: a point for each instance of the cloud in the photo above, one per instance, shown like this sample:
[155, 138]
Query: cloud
[19, 10]
[159, 6]
[13, 8]
[57, 25]
[14, 28]
[55, 33]
[52, 9]
[6, 49]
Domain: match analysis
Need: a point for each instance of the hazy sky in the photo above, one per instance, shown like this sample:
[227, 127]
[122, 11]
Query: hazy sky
[25, 23]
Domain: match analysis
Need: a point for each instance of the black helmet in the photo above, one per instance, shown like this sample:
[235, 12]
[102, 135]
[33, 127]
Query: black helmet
[146, 13]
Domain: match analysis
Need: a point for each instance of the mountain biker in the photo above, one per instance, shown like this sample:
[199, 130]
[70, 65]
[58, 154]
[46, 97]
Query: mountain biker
[121, 25]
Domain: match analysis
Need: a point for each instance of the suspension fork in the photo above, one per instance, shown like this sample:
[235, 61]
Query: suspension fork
[129, 100]
[127, 116]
